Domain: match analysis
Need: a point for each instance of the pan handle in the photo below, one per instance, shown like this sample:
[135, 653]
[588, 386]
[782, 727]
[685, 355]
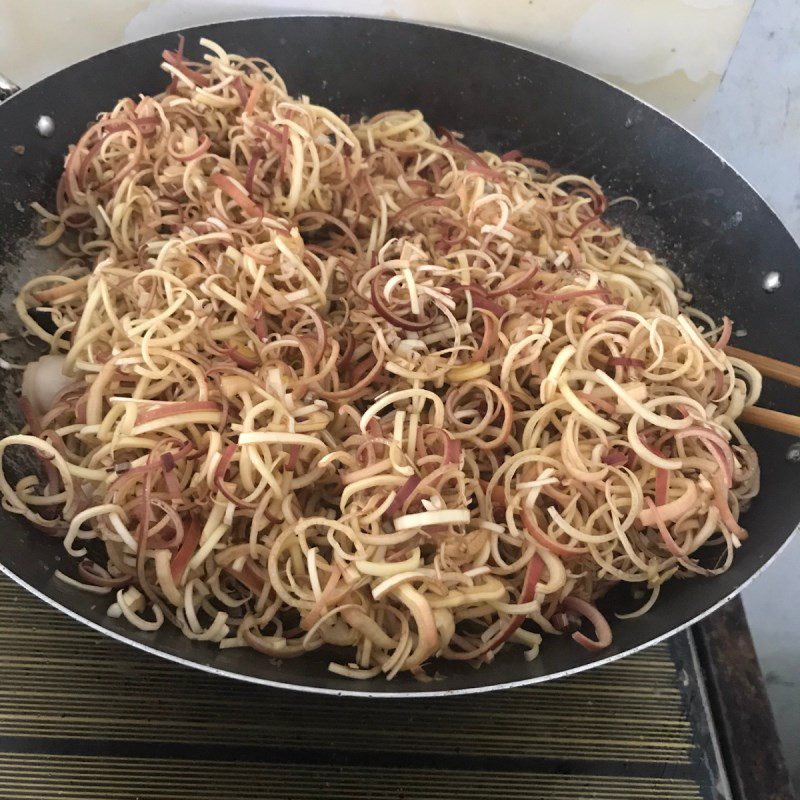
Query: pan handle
[7, 87]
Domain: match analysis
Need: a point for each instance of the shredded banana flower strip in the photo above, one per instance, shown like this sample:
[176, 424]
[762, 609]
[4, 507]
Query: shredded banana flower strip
[356, 385]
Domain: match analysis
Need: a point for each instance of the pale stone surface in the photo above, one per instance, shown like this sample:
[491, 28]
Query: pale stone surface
[671, 52]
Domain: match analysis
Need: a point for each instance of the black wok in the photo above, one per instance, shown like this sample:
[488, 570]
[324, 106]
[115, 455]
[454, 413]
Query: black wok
[695, 211]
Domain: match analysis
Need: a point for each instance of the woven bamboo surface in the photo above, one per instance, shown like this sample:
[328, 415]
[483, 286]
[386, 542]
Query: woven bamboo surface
[85, 718]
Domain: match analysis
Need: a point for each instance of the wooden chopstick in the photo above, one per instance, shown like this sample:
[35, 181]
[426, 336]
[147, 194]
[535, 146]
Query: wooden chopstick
[773, 420]
[780, 371]
[771, 367]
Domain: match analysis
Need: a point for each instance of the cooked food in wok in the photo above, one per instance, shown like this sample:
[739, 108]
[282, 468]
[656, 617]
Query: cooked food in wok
[319, 382]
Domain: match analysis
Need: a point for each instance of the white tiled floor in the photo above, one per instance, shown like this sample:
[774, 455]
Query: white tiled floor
[754, 121]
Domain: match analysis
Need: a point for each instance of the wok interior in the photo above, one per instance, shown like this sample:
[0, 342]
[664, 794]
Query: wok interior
[695, 212]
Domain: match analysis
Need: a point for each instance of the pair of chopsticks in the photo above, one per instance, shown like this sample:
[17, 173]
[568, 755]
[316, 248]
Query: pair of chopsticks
[780, 371]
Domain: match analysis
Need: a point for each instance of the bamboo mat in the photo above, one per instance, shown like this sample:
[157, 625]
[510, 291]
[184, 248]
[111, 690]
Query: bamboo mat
[85, 718]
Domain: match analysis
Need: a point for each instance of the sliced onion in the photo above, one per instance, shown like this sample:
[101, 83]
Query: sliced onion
[624, 361]
[538, 536]
[175, 59]
[43, 381]
[258, 154]
[516, 283]
[486, 303]
[238, 195]
[248, 576]
[242, 357]
[219, 477]
[403, 493]
[170, 478]
[472, 157]
[294, 455]
[662, 484]
[424, 519]
[452, 451]
[170, 409]
[585, 224]
[555, 297]
[601, 627]
[672, 510]
[717, 446]
[666, 536]
[239, 88]
[389, 315]
[97, 576]
[201, 149]
[532, 574]
[614, 458]
[723, 506]
[140, 122]
[416, 205]
[725, 335]
[480, 298]
[188, 547]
